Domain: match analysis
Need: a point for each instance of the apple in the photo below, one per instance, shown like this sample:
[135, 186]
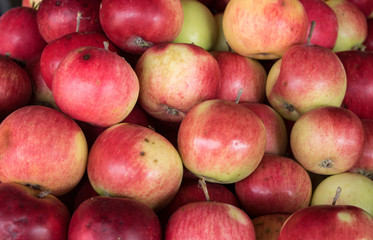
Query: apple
[15, 87]
[357, 190]
[20, 37]
[278, 185]
[264, 29]
[57, 49]
[220, 42]
[199, 26]
[58, 18]
[328, 222]
[129, 160]
[326, 28]
[221, 141]
[239, 72]
[174, 77]
[366, 6]
[368, 42]
[134, 26]
[327, 140]
[267, 227]
[28, 213]
[96, 86]
[31, 3]
[352, 25]
[114, 218]
[277, 140]
[300, 82]
[43, 148]
[359, 71]
[209, 221]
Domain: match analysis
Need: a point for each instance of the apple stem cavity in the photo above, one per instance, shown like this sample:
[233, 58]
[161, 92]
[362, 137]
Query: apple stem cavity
[44, 193]
[337, 194]
[140, 42]
[202, 184]
[327, 163]
[172, 111]
[240, 91]
[313, 23]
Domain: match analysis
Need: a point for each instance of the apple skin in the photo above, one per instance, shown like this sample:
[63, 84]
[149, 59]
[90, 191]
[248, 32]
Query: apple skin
[220, 43]
[20, 37]
[278, 185]
[209, 221]
[359, 71]
[366, 6]
[221, 141]
[352, 25]
[264, 29]
[15, 87]
[42, 147]
[327, 140]
[56, 18]
[57, 49]
[134, 26]
[300, 82]
[267, 227]
[328, 222]
[129, 160]
[325, 31]
[174, 77]
[277, 139]
[357, 190]
[114, 218]
[31, 3]
[96, 86]
[239, 72]
[26, 215]
[368, 42]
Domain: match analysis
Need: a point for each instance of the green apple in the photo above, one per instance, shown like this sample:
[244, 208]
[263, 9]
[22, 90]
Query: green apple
[199, 25]
[221, 43]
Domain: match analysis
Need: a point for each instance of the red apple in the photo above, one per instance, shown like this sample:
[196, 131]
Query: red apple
[56, 18]
[239, 72]
[134, 26]
[20, 37]
[96, 86]
[43, 148]
[114, 218]
[174, 77]
[278, 185]
[368, 42]
[327, 140]
[209, 221]
[27, 213]
[359, 71]
[267, 227]
[221, 141]
[129, 160]
[366, 6]
[328, 222]
[15, 87]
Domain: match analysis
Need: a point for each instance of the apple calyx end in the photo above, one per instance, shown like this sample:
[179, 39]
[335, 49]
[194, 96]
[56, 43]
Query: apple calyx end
[172, 111]
[44, 193]
[327, 163]
[140, 42]
[289, 107]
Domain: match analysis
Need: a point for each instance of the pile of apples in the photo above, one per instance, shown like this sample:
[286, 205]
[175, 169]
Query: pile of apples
[186, 119]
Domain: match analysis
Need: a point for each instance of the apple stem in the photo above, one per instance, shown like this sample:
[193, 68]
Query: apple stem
[78, 17]
[337, 194]
[202, 183]
[106, 45]
[35, 6]
[240, 91]
[313, 23]
[44, 193]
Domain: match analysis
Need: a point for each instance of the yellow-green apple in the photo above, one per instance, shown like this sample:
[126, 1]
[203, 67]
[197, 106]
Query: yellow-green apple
[327, 140]
[300, 82]
[20, 37]
[365, 163]
[114, 218]
[240, 73]
[15, 87]
[328, 222]
[95, 85]
[174, 77]
[199, 26]
[129, 160]
[57, 49]
[277, 140]
[28, 213]
[220, 42]
[267, 227]
[209, 221]
[352, 25]
[278, 185]
[221, 141]
[43, 148]
[134, 26]
[359, 71]
[357, 190]
[366, 6]
[368, 42]
[58, 18]
[31, 3]
[264, 29]
[325, 30]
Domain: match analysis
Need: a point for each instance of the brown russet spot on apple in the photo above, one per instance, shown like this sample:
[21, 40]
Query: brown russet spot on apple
[142, 153]
[155, 160]
[146, 140]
